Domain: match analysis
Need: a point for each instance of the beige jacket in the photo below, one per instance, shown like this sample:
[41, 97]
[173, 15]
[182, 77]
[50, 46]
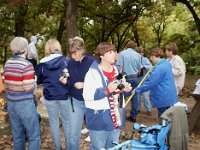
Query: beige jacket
[179, 70]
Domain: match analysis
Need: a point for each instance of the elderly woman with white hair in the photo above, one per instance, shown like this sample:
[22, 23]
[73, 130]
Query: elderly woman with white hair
[19, 82]
[78, 67]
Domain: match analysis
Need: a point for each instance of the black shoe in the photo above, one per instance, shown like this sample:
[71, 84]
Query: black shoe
[39, 118]
[132, 119]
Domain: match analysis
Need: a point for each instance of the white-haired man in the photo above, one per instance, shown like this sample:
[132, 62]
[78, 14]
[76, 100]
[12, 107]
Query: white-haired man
[19, 82]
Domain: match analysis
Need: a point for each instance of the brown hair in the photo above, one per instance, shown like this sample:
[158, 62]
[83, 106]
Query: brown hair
[172, 47]
[77, 44]
[158, 52]
[131, 44]
[103, 48]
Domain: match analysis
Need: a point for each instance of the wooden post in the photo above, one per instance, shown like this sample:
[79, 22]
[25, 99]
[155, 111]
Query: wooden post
[194, 116]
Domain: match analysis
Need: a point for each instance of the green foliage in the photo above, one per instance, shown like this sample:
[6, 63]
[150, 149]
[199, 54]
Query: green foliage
[102, 20]
[150, 22]
[192, 58]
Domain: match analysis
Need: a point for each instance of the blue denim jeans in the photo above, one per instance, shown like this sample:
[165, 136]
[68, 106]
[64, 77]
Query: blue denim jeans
[135, 99]
[104, 139]
[56, 109]
[76, 120]
[146, 100]
[24, 119]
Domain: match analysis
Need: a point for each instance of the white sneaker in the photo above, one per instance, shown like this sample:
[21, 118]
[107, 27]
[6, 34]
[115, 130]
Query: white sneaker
[87, 139]
[84, 131]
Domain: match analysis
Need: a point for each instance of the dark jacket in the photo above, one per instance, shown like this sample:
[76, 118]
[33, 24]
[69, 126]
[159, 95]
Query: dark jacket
[77, 71]
[48, 73]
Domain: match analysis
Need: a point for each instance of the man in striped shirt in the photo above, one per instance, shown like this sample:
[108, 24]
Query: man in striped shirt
[19, 82]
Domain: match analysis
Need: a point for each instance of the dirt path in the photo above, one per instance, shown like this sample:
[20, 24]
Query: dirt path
[46, 141]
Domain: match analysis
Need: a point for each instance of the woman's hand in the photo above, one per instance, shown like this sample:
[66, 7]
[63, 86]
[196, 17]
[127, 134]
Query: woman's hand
[79, 85]
[63, 80]
[127, 87]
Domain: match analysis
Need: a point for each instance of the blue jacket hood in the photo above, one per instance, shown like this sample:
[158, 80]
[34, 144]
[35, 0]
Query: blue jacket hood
[53, 61]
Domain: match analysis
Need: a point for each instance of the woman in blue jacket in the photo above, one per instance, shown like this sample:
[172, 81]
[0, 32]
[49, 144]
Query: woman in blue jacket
[160, 83]
[50, 73]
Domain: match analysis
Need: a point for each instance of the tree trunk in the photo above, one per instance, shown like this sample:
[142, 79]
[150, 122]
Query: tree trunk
[5, 54]
[20, 20]
[19, 26]
[122, 37]
[72, 20]
[62, 27]
[194, 14]
[136, 35]
[103, 29]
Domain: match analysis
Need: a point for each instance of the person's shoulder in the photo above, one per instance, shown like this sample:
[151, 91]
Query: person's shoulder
[165, 61]
[94, 64]
[178, 57]
[145, 58]
[26, 63]
[22, 60]
[123, 51]
[166, 65]
[91, 57]
[66, 58]
[162, 64]
[135, 52]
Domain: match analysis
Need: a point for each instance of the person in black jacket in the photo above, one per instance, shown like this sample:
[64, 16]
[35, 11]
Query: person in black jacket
[78, 67]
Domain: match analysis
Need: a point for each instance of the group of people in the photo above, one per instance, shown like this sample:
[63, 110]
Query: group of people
[84, 86]
[164, 82]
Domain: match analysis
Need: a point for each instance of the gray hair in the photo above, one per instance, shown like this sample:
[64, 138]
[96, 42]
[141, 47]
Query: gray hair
[19, 45]
[76, 38]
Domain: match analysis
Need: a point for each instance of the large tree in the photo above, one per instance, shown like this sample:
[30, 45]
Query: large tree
[191, 5]
[104, 20]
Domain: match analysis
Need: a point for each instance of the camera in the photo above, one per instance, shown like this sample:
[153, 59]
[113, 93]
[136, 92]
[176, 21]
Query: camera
[120, 79]
[65, 73]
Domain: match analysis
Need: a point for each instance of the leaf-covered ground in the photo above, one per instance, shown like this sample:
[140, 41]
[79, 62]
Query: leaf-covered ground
[127, 133]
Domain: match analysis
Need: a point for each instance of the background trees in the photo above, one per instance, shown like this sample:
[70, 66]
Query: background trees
[150, 22]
